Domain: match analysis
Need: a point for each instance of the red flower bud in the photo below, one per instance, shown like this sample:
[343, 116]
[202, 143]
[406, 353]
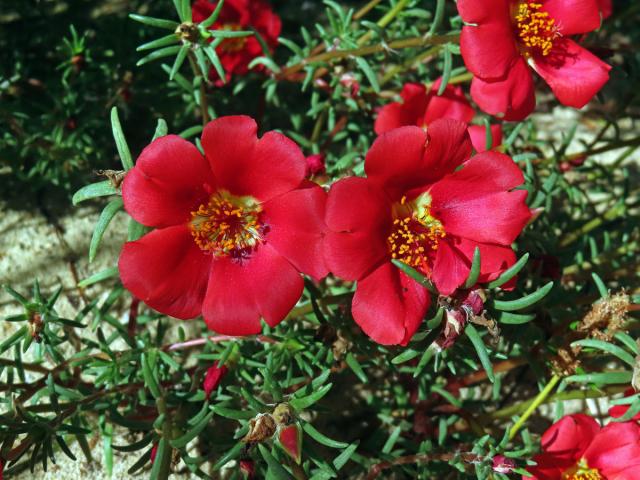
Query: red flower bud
[248, 468]
[212, 378]
[154, 452]
[349, 81]
[502, 464]
[315, 164]
[291, 441]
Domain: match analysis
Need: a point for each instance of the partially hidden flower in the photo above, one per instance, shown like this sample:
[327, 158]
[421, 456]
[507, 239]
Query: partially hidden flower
[618, 411]
[466, 304]
[240, 15]
[234, 228]
[248, 468]
[420, 107]
[212, 378]
[425, 203]
[290, 438]
[577, 448]
[504, 39]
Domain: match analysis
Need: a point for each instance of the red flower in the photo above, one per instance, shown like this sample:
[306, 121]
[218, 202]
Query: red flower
[503, 38]
[420, 108]
[606, 8]
[576, 448]
[236, 53]
[234, 228]
[618, 411]
[418, 206]
[212, 378]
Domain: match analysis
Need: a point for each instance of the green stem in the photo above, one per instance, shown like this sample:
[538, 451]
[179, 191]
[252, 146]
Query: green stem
[204, 106]
[534, 406]
[614, 212]
[385, 20]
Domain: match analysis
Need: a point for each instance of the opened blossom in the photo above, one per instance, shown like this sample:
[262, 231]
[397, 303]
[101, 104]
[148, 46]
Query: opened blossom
[425, 203]
[234, 229]
[503, 40]
[577, 448]
[240, 15]
[421, 106]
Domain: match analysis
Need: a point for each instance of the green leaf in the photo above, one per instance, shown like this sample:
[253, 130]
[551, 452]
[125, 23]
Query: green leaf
[305, 402]
[231, 33]
[607, 347]
[159, 42]
[275, 468]
[322, 439]
[446, 71]
[267, 62]
[182, 441]
[13, 339]
[94, 190]
[160, 53]
[413, 273]
[99, 277]
[233, 414]
[437, 18]
[214, 16]
[369, 73]
[631, 412]
[405, 356]
[113, 207]
[355, 366]
[162, 463]
[161, 129]
[215, 61]
[154, 22]
[474, 273]
[150, 380]
[602, 288]
[139, 445]
[524, 302]
[510, 272]
[628, 342]
[183, 8]
[509, 318]
[121, 142]
[235, 452]
[344, 457]
[182, 54]
[602, 378]
[481, 349]
[488, 136]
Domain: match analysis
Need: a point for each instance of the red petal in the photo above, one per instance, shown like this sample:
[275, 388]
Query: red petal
[241, 293]
[570, 436]
[296, 228]
[213, 377]
[489, 47]
[395, 158]
[451, 268]
[573, 16]
[615, 450]
[358, 215]
[169, 181]
[448, 146]
[290, 438]
[483, 11]
[474, 202]
[389, 306]
[606, 8]
[512, 98]
[409, 112]
[574, 74]
[478, 134]
[494, 259]
[451, 104]
[166, 270]
[245, 165]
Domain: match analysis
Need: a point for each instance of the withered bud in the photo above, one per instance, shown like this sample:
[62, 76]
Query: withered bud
[188, 31]
[261, 428]
[35, 326]
[283, 414]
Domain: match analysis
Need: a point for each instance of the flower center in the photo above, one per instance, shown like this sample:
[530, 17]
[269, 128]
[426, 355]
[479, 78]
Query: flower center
[231, 45]
[581, 471]
[228, 225]
[536, 29]
[415, 233]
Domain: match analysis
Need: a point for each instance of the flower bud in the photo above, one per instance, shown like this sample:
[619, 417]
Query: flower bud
[455, 322]
[502, 464]
[283, 414]
[248, 468]
[154, 452]
[212, 378]
[290, 438]
[315, 164]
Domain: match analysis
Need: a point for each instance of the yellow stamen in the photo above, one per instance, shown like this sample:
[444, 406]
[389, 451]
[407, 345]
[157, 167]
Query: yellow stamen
[228, 225]
[236, 44]
[581, 471]
[536, 29]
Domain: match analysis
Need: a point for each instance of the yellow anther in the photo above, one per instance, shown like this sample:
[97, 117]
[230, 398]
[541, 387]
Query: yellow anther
[536, 29]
